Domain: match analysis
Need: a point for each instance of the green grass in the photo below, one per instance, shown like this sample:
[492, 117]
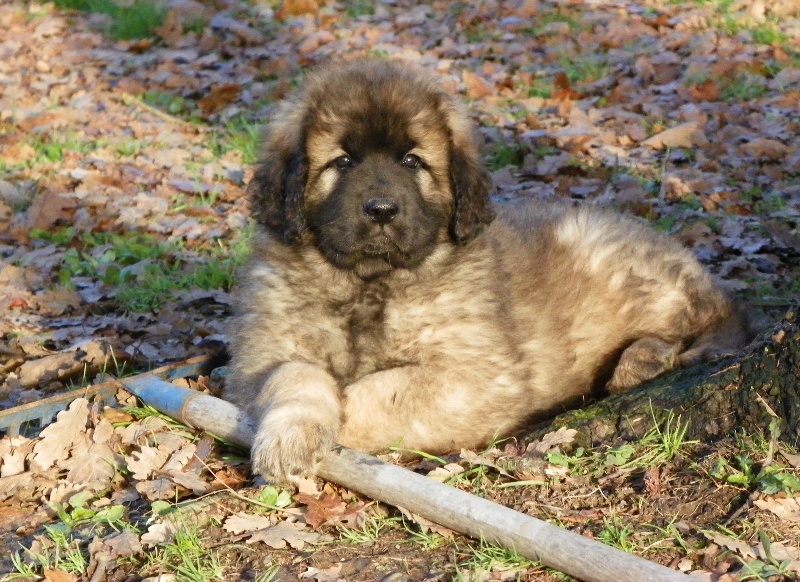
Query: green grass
[240, 135]
[768, 34]
[584, 68]
[618, 534]
[172, 104]
[146, 272]
[488, 558]
[187, 558]
[504, 154]
[370, 532]
[63, 547]
[360, 8]
[139, 20]
[53, 147]
[743, 87]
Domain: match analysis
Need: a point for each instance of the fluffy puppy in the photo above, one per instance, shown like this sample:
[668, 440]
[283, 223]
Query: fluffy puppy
[384, 304]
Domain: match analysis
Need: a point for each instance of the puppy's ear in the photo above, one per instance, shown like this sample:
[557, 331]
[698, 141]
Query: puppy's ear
[276, 190]
[472, 188]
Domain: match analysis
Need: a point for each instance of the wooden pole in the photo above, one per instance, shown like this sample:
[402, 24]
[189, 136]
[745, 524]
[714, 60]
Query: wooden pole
[478, 518]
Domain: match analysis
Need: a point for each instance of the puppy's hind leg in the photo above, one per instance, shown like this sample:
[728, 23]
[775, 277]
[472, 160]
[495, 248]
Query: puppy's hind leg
[643, 360]
[726, 329]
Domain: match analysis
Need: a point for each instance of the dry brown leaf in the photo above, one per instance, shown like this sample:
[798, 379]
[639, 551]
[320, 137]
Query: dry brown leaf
[323, 574]
[220, 96]
[247, 522]
[787, 509]
[47, 211]
[477, 87]
[552, 440]
[708, 90]
[58, 437]
[59, 576]
[487, 458]
[680, 136]
[445, 473]
[287, 532]
[321, 509]
[145, 462]
[171, 31]
[563, 90]
[91, 463]
[123, 544]
[426, 525]
[292, 8]
[191, 481]
[765, 149]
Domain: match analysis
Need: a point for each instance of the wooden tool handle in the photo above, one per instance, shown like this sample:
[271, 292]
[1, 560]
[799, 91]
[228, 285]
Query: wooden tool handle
[478, 518]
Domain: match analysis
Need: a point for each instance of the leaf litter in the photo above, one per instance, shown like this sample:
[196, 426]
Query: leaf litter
[122, 175]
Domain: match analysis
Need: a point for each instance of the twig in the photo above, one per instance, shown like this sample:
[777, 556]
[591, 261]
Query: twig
[129, 99]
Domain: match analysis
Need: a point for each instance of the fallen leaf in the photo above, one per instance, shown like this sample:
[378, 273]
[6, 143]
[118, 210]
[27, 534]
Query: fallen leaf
[287, 532]
[708, 90]
[563, 88]
[477, 87]
[219, 97]
[445, 473]
[765, 149]
[321, 509]
[145, 462]
[552, 440]
[680, 136]
[59, 576]
[58, 437]
[787, 509]
[484, 459]
[323, 574]
[427, 525]
[247, 522]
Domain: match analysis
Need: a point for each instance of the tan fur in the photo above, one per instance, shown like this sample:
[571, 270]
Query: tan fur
[543, 307]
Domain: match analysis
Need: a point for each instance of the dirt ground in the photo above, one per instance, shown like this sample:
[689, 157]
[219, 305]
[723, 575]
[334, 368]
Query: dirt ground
[123, 164]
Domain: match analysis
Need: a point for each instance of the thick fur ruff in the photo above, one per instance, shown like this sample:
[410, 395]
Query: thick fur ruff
[384, 306]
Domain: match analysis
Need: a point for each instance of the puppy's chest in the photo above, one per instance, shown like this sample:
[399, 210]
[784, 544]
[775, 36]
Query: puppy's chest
[372, 335]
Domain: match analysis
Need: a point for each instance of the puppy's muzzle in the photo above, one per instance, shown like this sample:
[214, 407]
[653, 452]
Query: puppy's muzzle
[381, 210]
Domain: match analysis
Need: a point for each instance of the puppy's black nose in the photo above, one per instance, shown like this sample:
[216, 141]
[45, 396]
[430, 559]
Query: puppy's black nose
[381, 210]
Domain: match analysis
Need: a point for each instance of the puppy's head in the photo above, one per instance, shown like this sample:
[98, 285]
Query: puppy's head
[375, 165]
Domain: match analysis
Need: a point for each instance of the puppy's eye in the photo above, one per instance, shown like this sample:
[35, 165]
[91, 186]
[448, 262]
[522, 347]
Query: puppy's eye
[411, 161]
[343, 162]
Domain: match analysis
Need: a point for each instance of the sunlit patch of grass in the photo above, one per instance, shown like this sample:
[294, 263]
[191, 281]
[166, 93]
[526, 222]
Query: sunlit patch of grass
[743, 87]
[487, 558]
[240, 135]
[370, 532]
[360, 8]
[768, 34]
[244, 137]
[618, 534]
[53, 146]
[145, 271]
[129, 147]
[139, 20]
[172, 104]
[584, 68]
[186, 557]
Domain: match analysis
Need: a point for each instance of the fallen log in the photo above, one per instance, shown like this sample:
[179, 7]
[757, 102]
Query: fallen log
[478, 518]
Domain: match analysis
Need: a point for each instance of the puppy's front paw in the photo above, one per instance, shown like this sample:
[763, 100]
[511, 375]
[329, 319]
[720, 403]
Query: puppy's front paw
[287, 446]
